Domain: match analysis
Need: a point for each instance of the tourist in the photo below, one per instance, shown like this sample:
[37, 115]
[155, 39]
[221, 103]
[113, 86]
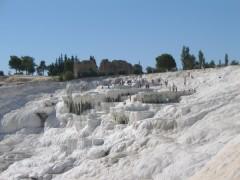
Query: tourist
[166, 83]
[185, 80]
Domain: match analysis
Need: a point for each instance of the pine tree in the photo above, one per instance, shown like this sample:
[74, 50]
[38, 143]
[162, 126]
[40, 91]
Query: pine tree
[220, 63]
[65, 58]
[188, 60]
[72, 58]
[201, 59]
[226, 60]
[76, 59]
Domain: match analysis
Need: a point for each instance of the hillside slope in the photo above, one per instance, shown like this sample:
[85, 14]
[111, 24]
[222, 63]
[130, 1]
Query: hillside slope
[173, 141]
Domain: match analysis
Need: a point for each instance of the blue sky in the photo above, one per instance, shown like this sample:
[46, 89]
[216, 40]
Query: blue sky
[134, 30]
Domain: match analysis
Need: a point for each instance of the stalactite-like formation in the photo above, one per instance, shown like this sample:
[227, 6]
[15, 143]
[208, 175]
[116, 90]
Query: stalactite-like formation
[77, 103]
[162, 97]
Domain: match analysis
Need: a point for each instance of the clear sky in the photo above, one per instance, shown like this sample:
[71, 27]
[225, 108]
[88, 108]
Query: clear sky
[133, 30]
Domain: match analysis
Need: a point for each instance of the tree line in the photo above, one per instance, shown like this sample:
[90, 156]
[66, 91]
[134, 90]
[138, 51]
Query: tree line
[166, 62]
[27, 65]
[63, 65]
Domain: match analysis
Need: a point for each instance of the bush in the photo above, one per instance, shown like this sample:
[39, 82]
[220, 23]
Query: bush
[210, 65]
[234, 62]
[1, 73]
[122, 72]
[68, 76]
[110, 74]
[101, 74]
[160, 70]
[89, 73]
[60, 77]
[120, 118]
[150, 70]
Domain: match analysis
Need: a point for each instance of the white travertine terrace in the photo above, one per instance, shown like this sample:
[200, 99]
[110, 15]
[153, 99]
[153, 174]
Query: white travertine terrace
[195, 138]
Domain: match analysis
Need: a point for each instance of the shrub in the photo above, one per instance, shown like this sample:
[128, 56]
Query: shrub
[210, 65]
[120, 118]
[234, 62]
[150, 70]
[68, 76]
[122, 72]
[60, 77]
[101, 74]
[89, 73]
[110, 74]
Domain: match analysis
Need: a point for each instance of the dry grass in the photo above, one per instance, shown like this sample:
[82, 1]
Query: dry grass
[16, 79]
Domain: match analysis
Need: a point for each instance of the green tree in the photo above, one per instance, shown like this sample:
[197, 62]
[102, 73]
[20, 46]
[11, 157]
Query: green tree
[15, 63]
[68, 76]
[52, 70]
[226, 59]
[39, 71]
[212, 64]
[28, 64]
[32, 69]
[137, 69]
[234, 62]
[62, 65]
[220, 63]
[201, 59]
[68, 65]
[41, 68]
[165, 62]
[150, 70]
[188, 60]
